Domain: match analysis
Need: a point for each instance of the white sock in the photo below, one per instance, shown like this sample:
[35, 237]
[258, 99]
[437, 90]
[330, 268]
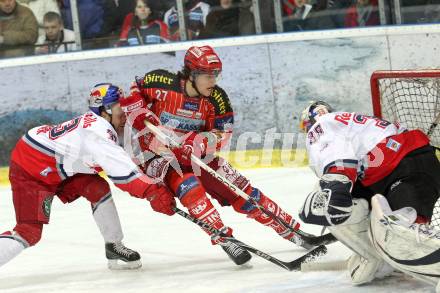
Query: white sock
[107, 218]
[9, 248]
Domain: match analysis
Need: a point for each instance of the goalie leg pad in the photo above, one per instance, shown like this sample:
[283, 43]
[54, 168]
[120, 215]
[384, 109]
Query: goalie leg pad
[407, 246]
[364, 264]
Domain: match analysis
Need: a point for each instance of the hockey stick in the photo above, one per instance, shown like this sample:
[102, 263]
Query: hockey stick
[303, 236]
[437, 119]
[336, 265]
[294, 265]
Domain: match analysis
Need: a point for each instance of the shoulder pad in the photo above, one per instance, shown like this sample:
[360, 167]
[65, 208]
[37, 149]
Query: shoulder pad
[220, 100]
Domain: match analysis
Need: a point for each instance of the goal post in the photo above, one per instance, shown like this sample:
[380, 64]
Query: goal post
[410, 97]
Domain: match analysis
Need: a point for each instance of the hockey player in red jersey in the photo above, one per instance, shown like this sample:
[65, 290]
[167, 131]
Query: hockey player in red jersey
[64, 161]
[363, 161]
[192, 105]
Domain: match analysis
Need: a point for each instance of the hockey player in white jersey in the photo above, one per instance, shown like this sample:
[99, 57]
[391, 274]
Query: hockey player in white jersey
[64, 161]
[364, 163]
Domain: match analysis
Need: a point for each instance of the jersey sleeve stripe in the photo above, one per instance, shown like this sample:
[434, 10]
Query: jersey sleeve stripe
[61, 172]
[341, 164]
[124, 179]
[38, 146]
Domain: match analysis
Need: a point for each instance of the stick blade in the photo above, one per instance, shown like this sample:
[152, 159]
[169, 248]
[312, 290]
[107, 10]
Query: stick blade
[312, 255]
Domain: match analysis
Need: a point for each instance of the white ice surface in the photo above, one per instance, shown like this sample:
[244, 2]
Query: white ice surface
[177, 256]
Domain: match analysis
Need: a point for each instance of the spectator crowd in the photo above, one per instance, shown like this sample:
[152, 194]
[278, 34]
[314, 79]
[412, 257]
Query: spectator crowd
[45, 26]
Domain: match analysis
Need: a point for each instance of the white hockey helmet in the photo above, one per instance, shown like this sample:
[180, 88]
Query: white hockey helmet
[312, 112]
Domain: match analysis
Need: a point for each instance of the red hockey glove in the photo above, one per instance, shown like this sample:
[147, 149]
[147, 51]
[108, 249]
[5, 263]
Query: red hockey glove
[194, 143]
[161, 199]
[136, 111]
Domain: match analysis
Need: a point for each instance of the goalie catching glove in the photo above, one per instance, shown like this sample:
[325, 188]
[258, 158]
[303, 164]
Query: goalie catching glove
[331, 203]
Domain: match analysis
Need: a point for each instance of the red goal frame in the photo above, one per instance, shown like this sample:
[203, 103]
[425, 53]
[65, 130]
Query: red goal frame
[382, 74]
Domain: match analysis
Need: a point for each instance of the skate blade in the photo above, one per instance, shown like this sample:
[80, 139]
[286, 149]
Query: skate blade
[114, 264]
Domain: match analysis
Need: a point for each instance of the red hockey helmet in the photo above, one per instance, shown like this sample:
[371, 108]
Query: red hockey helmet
[203, 60]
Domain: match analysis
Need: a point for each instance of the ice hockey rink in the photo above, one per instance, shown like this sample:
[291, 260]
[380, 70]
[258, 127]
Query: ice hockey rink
[177, 256]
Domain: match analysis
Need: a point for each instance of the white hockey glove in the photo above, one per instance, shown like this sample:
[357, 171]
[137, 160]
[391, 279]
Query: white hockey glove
[330, 204]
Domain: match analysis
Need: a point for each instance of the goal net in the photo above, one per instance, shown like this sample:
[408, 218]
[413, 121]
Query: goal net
[410, 97]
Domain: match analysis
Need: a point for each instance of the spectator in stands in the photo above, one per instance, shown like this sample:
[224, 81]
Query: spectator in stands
[413, 11]
[18, 27]
[114, 15]
[306, 15]
[163, 6]
[40, 8]
[195, 15]
[222, 21]
[246, 20]
[337, 10]
[362, 13]
[143, 27]
[56, 39]
[431, 12]
[91, 17]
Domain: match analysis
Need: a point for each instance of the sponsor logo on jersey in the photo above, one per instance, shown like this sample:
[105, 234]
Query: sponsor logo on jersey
[88, 120]
[219, 99]
[112, 136]
[224, 122]
[395, 184]
[192, 106]
[185, 113]
[199, 208]
[393, 145]
[153, 77]
[181, 123]
[46, 205]
[186, 186]
[134, 106]
[46, 172]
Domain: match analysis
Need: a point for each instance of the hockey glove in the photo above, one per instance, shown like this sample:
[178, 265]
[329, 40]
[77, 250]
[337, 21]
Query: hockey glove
[136, 111]
[331, 203]
[194, 143]
[161, 199]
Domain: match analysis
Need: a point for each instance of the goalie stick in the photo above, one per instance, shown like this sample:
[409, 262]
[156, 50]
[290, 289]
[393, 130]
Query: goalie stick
[309, 239]
[336, 265]
[294, 265]
[434, 125]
